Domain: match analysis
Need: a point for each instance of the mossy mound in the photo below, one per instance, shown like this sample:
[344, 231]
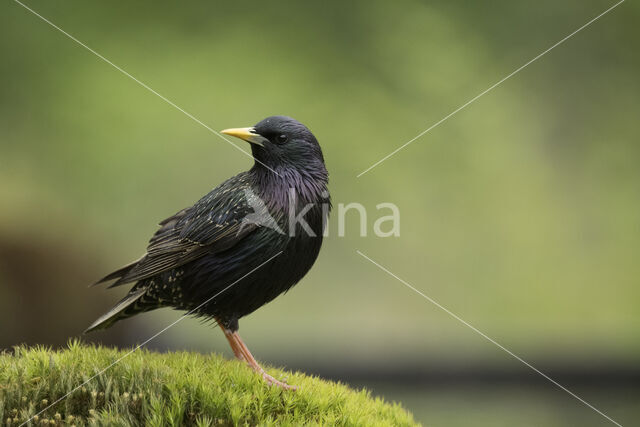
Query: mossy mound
[183, 388]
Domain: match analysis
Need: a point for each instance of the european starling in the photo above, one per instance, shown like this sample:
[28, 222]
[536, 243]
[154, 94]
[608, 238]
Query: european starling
[250, 239]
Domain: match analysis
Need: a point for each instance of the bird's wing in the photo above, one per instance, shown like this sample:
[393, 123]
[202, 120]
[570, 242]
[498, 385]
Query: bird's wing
[215, 223]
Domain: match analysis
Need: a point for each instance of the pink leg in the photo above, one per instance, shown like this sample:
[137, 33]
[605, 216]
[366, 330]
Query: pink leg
[242, 352]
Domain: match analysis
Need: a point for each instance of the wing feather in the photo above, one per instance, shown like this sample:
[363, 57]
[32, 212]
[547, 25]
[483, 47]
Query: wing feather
[213, 224]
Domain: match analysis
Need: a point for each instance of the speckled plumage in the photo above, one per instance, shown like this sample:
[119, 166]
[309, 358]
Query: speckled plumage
[202, 249]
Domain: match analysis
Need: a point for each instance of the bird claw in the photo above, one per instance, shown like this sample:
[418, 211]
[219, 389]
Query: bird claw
[272, 381]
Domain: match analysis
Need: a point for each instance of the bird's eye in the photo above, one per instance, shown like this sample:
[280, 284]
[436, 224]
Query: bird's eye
[282, 138]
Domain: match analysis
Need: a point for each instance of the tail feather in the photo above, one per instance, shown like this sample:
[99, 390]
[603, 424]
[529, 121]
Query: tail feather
[119, 273]
[125, 308]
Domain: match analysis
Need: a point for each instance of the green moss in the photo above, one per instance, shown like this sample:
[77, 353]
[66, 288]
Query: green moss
[147, 388]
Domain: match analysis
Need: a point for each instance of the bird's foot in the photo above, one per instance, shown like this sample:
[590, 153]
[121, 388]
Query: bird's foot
[242, 353]
[272, 381]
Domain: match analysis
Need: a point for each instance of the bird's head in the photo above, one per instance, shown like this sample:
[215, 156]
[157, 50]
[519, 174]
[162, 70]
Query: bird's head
[281, 143]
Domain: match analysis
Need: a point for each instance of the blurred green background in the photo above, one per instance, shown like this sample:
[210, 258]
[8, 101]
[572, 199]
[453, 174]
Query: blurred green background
[521, 213]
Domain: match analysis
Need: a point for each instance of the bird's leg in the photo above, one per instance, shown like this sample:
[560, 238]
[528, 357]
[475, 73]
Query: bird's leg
[242, 352]
[256, 366]
[232, 342]
[234, 346]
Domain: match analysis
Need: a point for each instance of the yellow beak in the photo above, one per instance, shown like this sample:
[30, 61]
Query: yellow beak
[247, 134]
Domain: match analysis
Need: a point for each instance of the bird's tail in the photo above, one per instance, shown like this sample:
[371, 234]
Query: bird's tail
[127, 307]
[118, 274]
